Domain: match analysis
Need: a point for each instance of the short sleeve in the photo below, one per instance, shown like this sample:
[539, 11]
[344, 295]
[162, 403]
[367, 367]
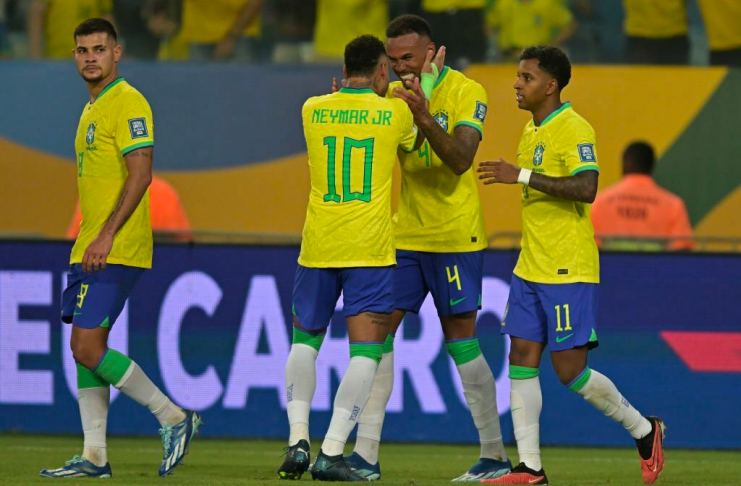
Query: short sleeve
[579, 148]
[134, 125]
[408, 128]
[472, 107]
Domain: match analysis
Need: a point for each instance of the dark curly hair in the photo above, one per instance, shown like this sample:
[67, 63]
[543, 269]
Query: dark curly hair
[551, 60]
[362, 55]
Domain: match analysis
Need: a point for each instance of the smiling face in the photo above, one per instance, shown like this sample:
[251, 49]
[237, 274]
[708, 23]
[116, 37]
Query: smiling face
[407, 54]
[96, 56]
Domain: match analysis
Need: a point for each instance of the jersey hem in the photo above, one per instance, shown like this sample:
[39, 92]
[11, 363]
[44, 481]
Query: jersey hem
[358, 264]
[545, 280]
[117, 261]
[429, 249]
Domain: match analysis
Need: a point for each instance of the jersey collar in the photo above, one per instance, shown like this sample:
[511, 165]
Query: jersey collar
[357, 91]
[443, 73]
[107, 88]
[553, 115]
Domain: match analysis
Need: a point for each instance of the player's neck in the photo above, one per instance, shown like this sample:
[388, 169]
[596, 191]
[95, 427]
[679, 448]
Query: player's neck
[548, 107]
[359, 83]
[98, 86]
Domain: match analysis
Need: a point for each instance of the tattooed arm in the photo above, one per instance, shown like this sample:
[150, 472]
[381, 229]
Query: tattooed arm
[139, 165]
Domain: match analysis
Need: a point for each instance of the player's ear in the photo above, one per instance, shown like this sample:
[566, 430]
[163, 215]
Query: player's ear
[117, 51]
[552, 87]
[344, 72]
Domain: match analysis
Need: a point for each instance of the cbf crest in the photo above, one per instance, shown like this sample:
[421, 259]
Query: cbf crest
[441, 117]
[90, 137]
[538, 155]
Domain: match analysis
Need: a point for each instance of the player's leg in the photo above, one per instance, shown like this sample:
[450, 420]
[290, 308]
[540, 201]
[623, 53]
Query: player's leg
[574, 325]
[315, 294]
[525, 322]
[409, 294]
[455, 281]
[368, 305]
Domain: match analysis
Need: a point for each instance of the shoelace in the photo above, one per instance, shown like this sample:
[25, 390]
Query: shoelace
[166, 434]
[75, 460]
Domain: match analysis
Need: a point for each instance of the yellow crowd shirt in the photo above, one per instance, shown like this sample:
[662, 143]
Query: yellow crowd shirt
[443, 5]
[340, 21]
[535, 22]
[557, 235]
[722, 20]
[657, 19]
[118, 122]
[440, 211]
[63, 17]
[352, 137]
[208, 22]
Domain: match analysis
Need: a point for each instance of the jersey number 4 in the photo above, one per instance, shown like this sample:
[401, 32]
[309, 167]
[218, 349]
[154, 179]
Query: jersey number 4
[348, 144]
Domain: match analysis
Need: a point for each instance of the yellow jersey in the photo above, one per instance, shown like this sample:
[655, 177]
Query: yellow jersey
[443, 5]
[520, 24]
[340, 21]
[63, 17]
[722, 19]
[557, 235]
[352, 137]
[207, 22]
[657, 19]
[118, 122]
[440, 211]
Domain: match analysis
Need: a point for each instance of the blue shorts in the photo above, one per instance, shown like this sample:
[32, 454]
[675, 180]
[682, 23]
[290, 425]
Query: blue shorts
[454, 279]
[562, 315]
[316, 290]
[96, 299]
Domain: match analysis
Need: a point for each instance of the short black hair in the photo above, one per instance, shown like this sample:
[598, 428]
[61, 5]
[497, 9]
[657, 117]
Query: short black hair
[408, 24]
[642, 157]
[551, 60]
[362, 55]
[96, 26]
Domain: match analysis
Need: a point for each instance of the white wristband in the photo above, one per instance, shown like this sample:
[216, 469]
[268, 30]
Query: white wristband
[524, 177]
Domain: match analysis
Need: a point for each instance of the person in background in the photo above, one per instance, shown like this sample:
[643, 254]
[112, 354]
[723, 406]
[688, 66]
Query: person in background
[51, 21]
[722, 20]
[656, 32]
[459, 26]
[340, 21]
[636, 209]
[522, 23]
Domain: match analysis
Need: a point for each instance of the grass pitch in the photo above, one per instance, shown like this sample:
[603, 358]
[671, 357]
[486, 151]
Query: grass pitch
[241, 462]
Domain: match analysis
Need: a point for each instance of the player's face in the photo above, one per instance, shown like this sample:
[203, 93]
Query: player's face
[407, 54]
[96, 56]
[532, 85]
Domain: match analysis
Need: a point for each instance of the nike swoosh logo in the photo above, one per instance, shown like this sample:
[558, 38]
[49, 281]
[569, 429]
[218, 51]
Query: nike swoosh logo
[533, 481]
[456, 302]
[560, 339]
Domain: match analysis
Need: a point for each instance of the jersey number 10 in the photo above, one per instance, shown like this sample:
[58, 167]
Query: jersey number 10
[348, 145]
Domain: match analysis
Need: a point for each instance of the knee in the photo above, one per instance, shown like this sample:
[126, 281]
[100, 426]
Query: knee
[567, 372]
[87, 355]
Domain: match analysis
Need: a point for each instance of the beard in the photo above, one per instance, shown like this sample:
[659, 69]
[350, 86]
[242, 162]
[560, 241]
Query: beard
[92, 77]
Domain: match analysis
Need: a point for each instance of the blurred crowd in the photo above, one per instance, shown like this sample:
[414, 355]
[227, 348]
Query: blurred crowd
[697, 32]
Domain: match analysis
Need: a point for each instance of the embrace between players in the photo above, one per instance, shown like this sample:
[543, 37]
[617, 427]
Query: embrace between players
[383, 266]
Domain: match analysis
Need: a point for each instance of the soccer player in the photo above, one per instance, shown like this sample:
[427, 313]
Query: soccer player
[114, 145]
[352, 138]
[440, 238]
[553, 297]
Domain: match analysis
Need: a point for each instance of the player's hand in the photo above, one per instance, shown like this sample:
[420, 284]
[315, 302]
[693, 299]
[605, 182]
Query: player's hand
[336, 87]
[96, 254]
[225, 48]
[414, 98]
[498, 171]
[438, 60]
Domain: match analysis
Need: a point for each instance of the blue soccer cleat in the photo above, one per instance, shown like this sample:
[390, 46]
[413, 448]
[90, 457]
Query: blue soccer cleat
[371, 472]
[78, 467]
[176, 439]
[485, 469]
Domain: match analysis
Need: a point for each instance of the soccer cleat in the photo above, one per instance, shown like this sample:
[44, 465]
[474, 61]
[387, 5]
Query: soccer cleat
[520, 474]
[485, 469]
[78, 467]
[371, 472]
[651, 451]
[298, 459]
[333, 468]
[176, 440]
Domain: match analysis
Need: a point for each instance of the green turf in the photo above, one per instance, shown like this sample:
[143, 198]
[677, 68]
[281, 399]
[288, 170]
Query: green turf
[236, 462]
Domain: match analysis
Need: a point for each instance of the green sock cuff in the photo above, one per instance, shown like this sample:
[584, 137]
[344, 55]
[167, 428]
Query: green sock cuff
[88, 379]
[388, 345]
[302, 337]
[113, 366]
[373, 351]
[581, 380]
[463, 351]
[522, 372]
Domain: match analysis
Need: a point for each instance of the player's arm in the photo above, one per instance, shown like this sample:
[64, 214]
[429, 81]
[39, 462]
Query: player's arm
[139, 165]
[581, 187]
[36, 22]
[247, 16]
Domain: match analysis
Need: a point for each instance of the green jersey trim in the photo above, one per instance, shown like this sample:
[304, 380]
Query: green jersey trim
[471, 124]
[131, 148]
[442, 75]
[108, 88]
[555, 114]
[356, 91]
[582, 169]
[412, 149]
